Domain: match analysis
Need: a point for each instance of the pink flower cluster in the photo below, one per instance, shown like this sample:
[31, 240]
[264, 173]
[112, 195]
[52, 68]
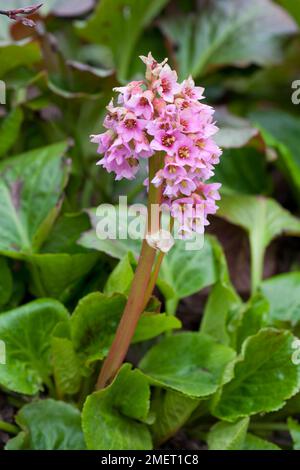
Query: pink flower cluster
[159, 114]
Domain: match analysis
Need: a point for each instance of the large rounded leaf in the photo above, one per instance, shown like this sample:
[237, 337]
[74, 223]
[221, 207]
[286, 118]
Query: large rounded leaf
[265, 376]
[190, 363]
[26, 332]
[30, 189]
[113, 418]
[48, 425]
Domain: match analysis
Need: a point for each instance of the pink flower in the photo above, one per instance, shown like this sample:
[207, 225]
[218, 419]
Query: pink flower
[159, 114]
[173, 171]
[186, 152]
[126, 92]
[113, 116]
[142, 148]
[166, 85]
[153, 67]
[166, 140]
[120, 160]
[190, 91]
[141, 104]
[190, 122]
[131, 128]
[182, 185]
[104, 140]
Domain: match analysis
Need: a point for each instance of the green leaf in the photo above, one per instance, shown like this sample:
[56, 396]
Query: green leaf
[256, 443]
[292, 7]
[26, 332]
[119, 29]
[48, 425]
[254, 315]
[172, 410]
[62, 263]
[54, 275]
[17, 54]
[94, 323]
[6, 282]
[263, 219]
[65, 233]
[30, 190]
[190, 363]
[221, 302]
[294, 428]
[9, 130]
[228, 436]
[234, 131]
[243, 171]
[120, 279]
[66, 366]
[264, 377]
[185, 272]
[224, 33]
[113, 420]
[283, 293]
[280, 130]
[117, 246]
[151, 325]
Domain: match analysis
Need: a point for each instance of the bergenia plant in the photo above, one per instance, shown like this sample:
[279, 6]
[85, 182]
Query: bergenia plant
[166, 123]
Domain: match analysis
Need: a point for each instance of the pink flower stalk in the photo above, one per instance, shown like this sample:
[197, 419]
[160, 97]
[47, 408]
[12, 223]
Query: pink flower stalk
[159, 114]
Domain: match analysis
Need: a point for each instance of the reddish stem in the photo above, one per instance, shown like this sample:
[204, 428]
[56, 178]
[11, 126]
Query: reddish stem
[136, 298]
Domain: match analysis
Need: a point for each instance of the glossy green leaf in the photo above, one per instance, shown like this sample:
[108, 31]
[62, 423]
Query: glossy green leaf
[188, 268]
[120, 279]
[6, 282]
[283, 293]
[263, 219]
[110, 232]
[171, 410]
[113, 420]
[54, 275]
[228, 436]
[294, 428]
[65, 233]
[253, 442]
[184, 272]
[234, 131]
[264, 377]
[292, 7]
[67, 367]
[26, 332]
[232, 32]
[30, 190]
[253, 316]
[243, 171]
[119, 28]
[190, 363]
[94, 323]
[280, 131]
[151, 325]
[9, 130]
[221, 302]
[48, 425]
[18, 54]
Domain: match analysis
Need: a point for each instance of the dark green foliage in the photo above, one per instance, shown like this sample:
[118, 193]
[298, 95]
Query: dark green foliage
[211, 357]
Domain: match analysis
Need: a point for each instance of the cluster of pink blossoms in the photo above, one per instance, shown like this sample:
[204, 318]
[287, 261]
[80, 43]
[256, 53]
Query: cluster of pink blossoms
[159, 114]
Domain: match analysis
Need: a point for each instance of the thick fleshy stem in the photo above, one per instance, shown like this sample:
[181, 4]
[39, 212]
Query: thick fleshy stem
[156, 269]
[135, 302]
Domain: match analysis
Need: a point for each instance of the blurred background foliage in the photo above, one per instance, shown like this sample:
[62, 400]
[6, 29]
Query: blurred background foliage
[59, 78]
